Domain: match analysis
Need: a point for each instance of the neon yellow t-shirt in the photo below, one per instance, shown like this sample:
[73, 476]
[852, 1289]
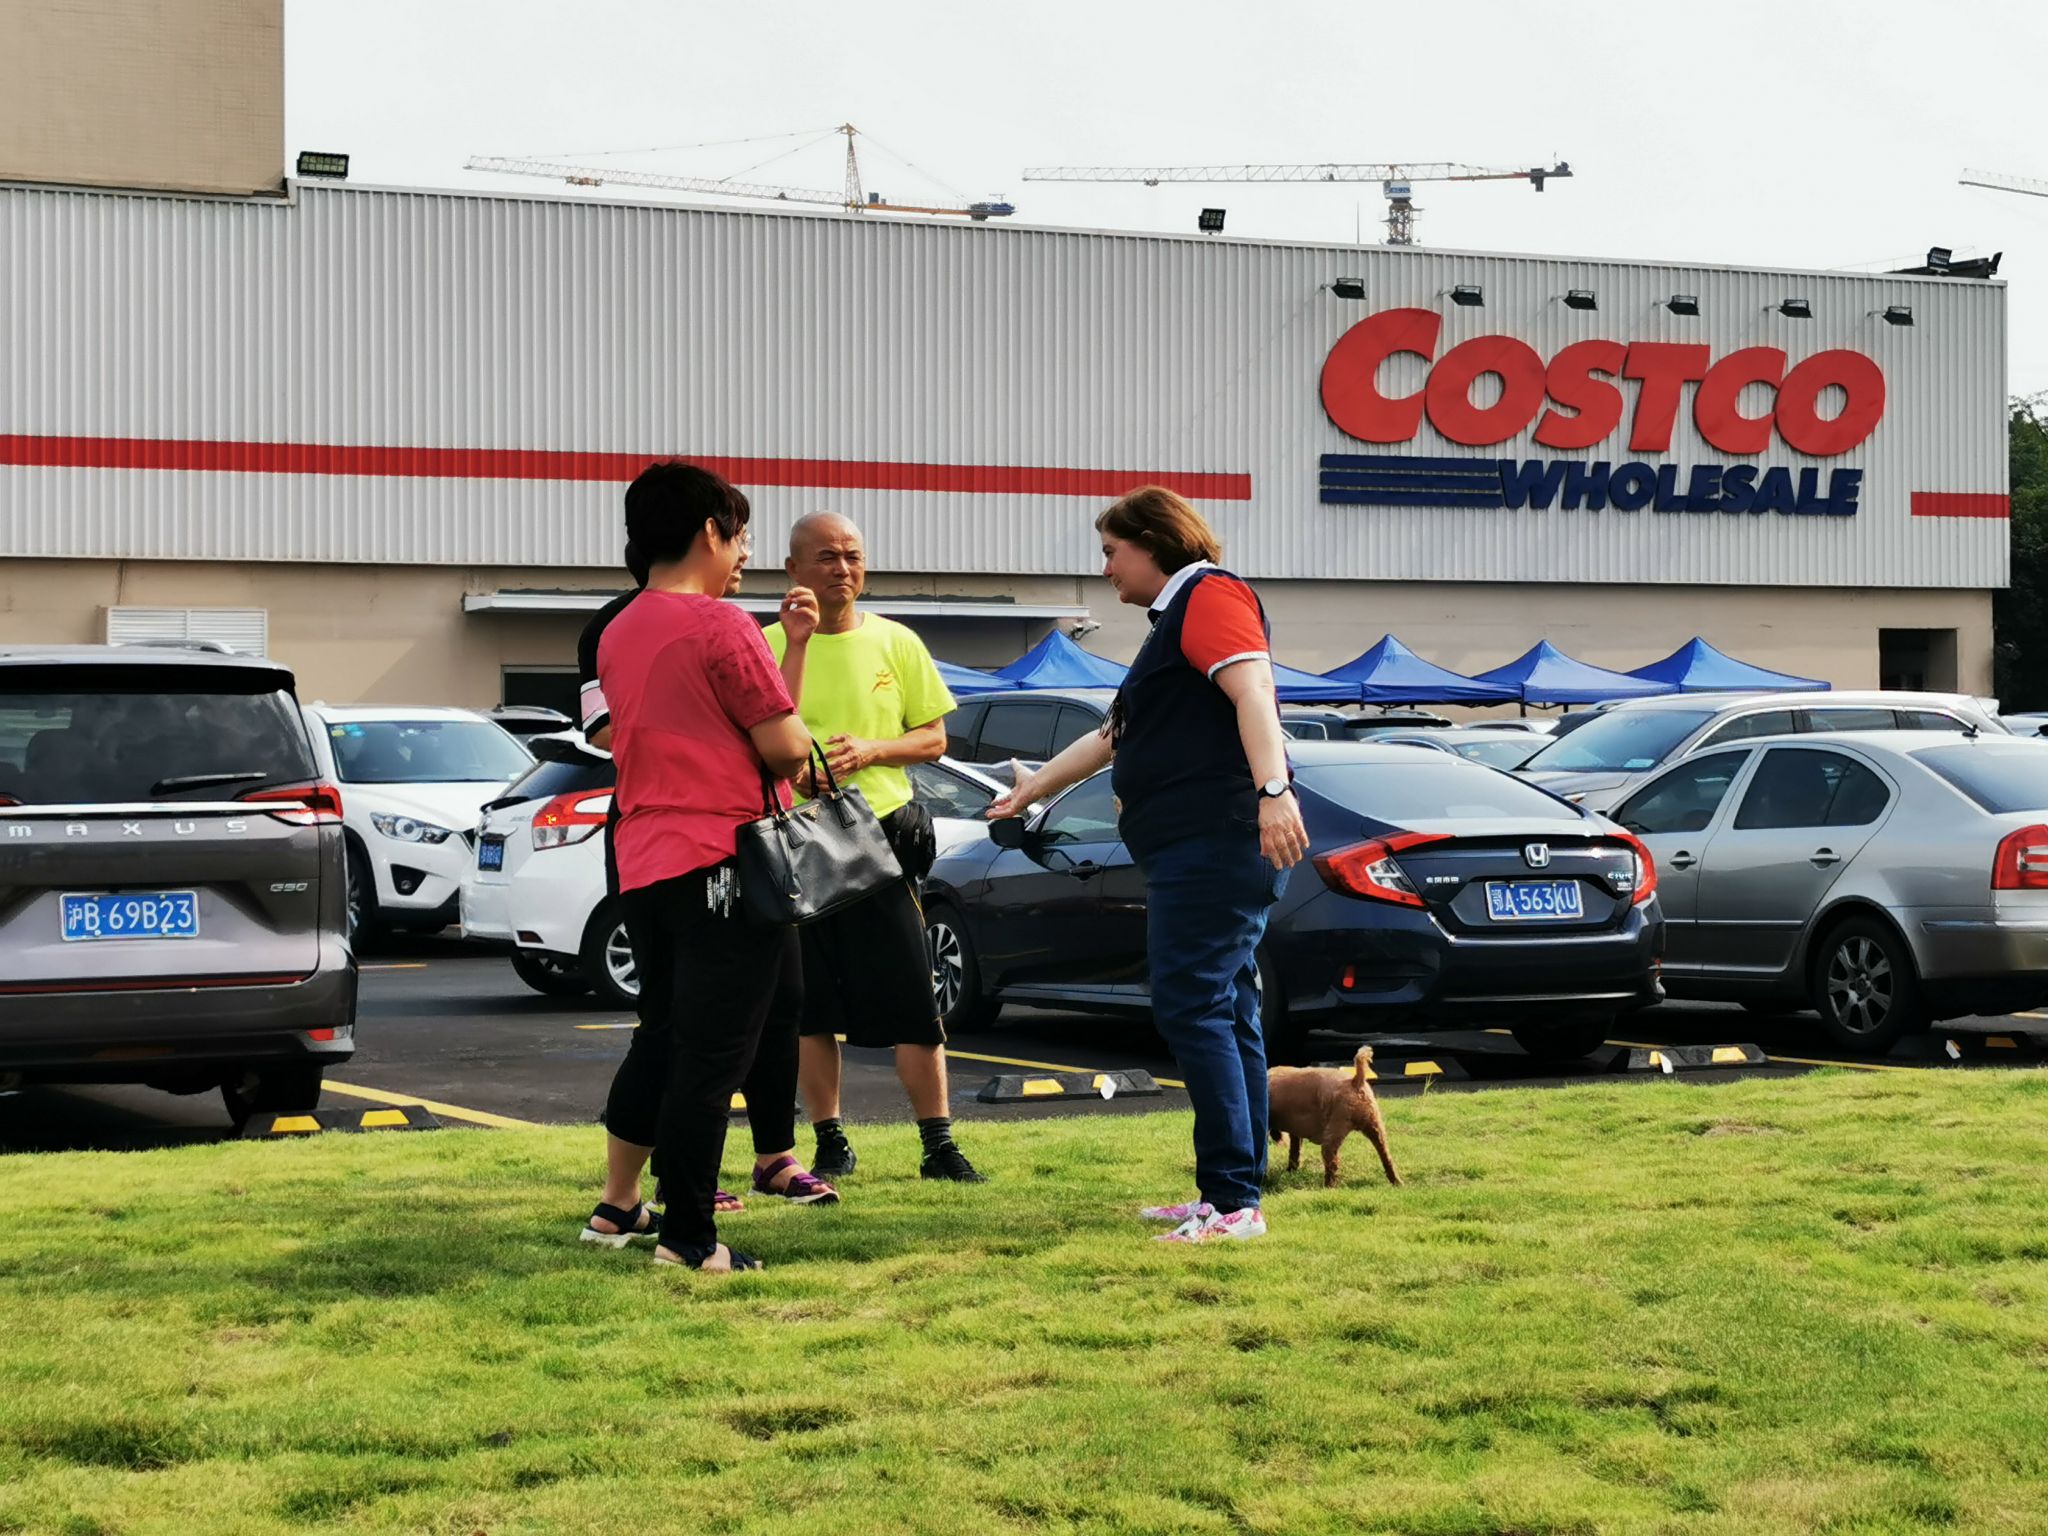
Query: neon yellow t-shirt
[876, 682]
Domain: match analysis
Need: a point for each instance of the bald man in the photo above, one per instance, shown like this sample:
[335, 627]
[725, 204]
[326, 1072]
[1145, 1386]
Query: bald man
[873, 697]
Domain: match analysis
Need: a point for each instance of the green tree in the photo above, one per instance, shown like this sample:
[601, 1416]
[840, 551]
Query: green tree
[2019, 614]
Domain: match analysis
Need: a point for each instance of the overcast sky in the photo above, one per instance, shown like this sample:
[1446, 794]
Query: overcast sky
[1804, 133]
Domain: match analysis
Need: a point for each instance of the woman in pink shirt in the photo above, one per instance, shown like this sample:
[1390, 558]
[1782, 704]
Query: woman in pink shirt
[701, 716]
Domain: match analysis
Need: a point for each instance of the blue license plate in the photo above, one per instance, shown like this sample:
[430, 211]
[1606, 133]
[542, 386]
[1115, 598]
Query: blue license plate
[1533, 901]
[136, 915]
[490, 853]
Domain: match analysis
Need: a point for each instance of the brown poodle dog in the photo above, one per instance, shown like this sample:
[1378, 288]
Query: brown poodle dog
[1316, 1104]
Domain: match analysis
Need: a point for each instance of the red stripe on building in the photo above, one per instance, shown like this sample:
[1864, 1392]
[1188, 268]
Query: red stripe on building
[1960, 504]
[544, 464]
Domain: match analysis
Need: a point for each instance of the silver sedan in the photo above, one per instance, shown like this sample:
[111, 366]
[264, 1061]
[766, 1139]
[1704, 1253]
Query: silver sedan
[1886, 879]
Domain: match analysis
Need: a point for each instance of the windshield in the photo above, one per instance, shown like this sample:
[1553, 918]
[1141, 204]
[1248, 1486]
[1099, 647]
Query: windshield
[107, 736]
[1626, 741]
[2000, 780]
[425, 752]
[1404, 794]
[1495, 754]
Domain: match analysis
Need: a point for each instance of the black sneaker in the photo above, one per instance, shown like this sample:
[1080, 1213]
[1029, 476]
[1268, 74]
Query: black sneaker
[834, 1160]
[951, 1163]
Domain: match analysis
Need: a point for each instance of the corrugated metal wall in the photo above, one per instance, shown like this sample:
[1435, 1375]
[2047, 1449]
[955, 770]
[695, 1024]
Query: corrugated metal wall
[403, 319]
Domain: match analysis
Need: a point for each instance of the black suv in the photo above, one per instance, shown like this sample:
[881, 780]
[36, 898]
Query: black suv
[1031, 727]
[171, 885]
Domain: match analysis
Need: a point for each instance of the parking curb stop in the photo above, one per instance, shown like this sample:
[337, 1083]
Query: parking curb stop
[1940, 1047]
[408, 1117]
[1390, 1071]
[1035, 1087]
[1690, 1058]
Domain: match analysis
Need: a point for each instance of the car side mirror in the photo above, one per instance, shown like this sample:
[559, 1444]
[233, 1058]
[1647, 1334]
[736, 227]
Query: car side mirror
[1009, 832]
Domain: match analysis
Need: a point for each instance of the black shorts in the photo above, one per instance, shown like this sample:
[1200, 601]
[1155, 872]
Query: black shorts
[867, 976]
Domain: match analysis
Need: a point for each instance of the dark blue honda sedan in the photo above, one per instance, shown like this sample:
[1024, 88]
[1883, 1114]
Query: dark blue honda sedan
[1438, 893]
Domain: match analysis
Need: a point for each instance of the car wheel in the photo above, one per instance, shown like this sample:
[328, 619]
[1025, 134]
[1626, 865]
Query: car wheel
[1286, 1039]
[547, 975]
[1561, 1042]
[1865, 987]
[956, 977]
[288, 1088]
[361, 915]
[608, 965]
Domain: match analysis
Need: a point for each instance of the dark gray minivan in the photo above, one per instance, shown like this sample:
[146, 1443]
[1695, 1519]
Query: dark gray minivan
[171, 881]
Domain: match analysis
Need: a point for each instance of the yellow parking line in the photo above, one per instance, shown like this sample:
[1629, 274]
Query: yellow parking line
[2031, 1015]
[1852, 1066]
[634, 1025]
[402, 965]
[444, 1111]
[1043, 1066]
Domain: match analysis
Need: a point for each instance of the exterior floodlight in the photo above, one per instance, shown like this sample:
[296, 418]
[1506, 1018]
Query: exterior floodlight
[331, 167]
[1349, 287]
[1898, 314]
[1468, 294]
[1683, 303]
[1796, 309]
[1211, 221]
[1581, 298]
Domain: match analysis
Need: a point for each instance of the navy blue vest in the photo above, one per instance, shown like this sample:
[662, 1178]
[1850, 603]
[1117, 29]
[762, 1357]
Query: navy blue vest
[1180, 765]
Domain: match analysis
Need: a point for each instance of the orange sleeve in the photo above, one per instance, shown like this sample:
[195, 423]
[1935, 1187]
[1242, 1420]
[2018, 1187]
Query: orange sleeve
[1223, 623]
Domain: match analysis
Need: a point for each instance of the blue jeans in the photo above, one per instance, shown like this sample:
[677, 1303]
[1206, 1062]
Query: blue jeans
[1207, 899]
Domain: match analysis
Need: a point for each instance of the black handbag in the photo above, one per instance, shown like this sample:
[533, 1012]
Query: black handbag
[796, 866]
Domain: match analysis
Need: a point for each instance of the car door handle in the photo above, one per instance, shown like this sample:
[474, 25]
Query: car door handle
[1823, 857]
[1083, 870]
[1681, 860]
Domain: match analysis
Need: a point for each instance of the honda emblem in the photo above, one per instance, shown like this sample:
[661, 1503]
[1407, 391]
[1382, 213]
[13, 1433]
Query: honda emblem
[1538, 855]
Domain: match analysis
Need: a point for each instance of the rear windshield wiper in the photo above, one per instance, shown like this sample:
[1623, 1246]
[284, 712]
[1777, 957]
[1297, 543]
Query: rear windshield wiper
[205, 781]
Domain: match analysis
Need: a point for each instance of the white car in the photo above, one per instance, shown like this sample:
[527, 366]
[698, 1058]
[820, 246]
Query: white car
[537, 880]
[413, 783]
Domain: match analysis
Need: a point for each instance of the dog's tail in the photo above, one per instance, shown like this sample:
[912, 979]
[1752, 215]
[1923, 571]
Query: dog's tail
[1361, 1066]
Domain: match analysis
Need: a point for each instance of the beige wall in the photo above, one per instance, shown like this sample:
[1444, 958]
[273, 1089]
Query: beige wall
[397, 634]
[179, 94]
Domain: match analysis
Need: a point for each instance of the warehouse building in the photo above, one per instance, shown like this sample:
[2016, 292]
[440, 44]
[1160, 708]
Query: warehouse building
[382, 433]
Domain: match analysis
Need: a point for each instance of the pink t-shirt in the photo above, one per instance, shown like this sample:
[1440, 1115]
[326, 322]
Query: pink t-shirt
[686, 678]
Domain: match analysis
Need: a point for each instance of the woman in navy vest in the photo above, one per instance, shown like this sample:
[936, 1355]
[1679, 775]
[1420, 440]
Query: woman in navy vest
[1207, 810]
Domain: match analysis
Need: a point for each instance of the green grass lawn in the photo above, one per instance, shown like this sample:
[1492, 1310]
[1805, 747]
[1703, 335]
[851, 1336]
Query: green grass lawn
[1816, 1304]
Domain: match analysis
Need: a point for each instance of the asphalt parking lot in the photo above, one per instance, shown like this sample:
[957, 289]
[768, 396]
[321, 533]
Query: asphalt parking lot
[448, 1025]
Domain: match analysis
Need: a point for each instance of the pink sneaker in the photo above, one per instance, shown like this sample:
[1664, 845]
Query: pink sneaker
[1193, 1210]
[1238, 1226]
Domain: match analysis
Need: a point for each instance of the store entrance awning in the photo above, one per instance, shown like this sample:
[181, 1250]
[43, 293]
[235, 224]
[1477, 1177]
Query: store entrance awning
[905, 608]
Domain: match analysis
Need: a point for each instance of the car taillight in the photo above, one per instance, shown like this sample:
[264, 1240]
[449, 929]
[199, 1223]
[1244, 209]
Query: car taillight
[301, 805]
[1646, 868]
[569, 819]
[2022, 863]
[1369, 870]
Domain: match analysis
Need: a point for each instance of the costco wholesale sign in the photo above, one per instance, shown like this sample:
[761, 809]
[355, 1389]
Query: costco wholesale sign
[372, 376]
[1575, 401]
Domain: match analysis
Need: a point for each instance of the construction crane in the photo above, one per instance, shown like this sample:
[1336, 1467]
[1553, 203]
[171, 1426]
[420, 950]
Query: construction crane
[1998, 181]
[1396, 181]
[853, 198]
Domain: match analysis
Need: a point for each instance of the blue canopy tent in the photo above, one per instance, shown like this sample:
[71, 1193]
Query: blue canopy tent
[1545, 675]
[1390, 673]
[1057, 662]
[1296, 687]
[965, 682]
[1696, 667]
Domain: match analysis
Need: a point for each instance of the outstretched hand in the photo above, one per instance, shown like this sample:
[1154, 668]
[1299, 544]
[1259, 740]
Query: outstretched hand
[1023, 794]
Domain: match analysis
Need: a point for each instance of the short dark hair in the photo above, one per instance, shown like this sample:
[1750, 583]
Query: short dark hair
[669, 504]
[1165, 524]
[636, 564]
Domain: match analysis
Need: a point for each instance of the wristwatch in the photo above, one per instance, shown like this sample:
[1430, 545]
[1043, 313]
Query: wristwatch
[1273, 789]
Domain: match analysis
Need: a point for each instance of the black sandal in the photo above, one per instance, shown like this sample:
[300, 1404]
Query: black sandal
[628, 1223]
[696, 1257]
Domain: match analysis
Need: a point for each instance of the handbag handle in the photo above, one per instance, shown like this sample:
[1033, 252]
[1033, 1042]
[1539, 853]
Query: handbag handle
[771, 803]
